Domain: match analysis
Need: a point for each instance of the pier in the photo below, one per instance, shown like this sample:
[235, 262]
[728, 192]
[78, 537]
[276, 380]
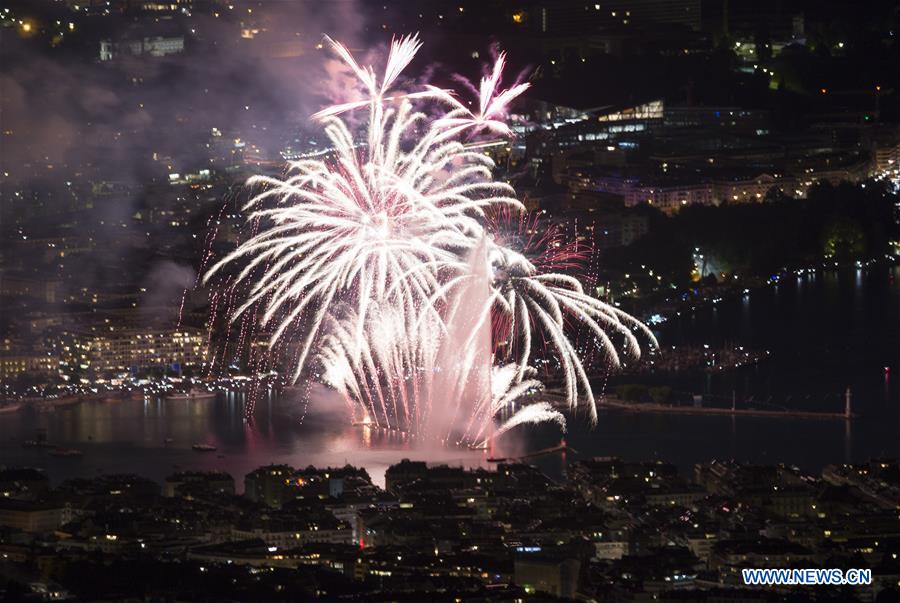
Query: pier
[732, 412]
[653, 407]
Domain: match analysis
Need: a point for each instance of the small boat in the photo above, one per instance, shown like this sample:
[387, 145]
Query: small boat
[204, 448]
[67, 452]
[193, 394]
[39, 441]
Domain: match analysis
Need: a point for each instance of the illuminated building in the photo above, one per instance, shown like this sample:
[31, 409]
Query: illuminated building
[15, 364]
[671, 157]
[605, 128]
[269, 484]
[535, 572]
[743, 189]
[153, 46]
[109, 348]
[46, 290]
[671, 193]
[31, 516]
[885, 155]
[651, 125]
[289, 531]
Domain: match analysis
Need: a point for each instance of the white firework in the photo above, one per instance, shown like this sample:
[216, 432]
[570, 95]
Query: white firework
[378, 260]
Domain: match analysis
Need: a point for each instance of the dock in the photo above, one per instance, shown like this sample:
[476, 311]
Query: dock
[649, 407]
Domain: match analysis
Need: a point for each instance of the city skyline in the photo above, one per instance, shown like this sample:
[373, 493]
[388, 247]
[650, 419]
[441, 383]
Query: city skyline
[669, 357]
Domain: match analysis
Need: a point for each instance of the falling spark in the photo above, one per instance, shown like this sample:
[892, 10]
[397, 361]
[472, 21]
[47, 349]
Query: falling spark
[378, 270]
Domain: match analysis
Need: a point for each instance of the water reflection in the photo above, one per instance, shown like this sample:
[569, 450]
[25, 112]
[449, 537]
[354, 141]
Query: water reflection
[155, 436]
[848, 441]
[825, 334]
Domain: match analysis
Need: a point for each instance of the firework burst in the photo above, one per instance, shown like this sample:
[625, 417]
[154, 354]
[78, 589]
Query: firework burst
[533, 295]
[383, 264]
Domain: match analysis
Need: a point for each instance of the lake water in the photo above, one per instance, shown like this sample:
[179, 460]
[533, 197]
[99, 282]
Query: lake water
[826, 332]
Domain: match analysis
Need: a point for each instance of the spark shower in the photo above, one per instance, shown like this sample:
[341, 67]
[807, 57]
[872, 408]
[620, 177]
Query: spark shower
[386, 271]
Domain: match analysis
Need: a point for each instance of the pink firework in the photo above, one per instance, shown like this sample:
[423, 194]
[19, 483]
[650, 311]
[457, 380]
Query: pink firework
[379, 270]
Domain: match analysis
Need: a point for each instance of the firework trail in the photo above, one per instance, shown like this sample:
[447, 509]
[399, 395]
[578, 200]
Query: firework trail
[533, 296]
[381, 265]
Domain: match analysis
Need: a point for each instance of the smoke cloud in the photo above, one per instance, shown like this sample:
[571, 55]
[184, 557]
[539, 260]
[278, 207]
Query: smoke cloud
[88, 145]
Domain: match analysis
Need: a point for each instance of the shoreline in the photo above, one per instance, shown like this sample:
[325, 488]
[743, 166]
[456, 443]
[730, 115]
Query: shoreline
[651, 407]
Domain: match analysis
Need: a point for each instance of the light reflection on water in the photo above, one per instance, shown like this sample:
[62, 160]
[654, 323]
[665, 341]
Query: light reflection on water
[130, 437]
[825, 332]
[154, 436]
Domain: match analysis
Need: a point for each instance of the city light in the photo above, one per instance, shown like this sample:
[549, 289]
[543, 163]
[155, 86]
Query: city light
[609, 316]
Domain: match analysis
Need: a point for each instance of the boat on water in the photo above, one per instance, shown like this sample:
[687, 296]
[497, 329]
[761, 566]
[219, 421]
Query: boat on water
[37, 444]
[67, 453]
[204, 448]
[193, 394]
[39, 440]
